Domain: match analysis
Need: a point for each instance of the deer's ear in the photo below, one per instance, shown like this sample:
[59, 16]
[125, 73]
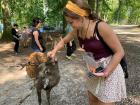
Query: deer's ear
[54, 61]
[39, 66]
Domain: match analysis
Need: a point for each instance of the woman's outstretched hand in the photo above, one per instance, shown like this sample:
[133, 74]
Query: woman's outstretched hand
[51, 54]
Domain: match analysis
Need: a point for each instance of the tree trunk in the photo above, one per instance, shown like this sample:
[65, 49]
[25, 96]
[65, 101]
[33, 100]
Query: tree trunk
[119, 8]
[97, 7]
[92, 4]
[6, 21]
[45, 4]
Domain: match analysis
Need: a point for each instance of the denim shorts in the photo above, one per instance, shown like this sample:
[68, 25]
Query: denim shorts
[37, 50]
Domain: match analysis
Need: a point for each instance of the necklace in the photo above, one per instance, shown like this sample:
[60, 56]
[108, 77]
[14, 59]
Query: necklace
[86, 30]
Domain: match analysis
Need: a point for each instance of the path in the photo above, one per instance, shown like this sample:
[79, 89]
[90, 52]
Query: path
[15, 84]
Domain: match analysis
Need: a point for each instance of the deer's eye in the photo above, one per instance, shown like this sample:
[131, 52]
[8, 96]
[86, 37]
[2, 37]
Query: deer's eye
[47, 71]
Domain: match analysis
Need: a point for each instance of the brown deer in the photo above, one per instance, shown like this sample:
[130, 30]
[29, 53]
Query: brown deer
[44, 72]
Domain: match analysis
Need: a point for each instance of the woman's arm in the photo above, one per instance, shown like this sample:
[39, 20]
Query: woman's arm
[61, 43]
[36, 34]
[113, 42]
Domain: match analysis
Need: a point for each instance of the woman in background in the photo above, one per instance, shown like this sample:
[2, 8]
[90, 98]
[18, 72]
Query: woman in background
[37, 39]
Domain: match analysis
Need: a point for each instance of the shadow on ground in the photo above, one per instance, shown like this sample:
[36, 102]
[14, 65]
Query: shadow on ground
[15, 84]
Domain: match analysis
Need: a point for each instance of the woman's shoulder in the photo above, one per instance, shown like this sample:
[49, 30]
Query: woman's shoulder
[104, 29]
[102, 24]
[34, 29]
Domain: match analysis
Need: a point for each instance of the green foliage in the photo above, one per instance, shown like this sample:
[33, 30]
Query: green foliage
[119, 11]
[23, 11]
[134, 11]
[105, 9]
[55, 12]
[113, 11]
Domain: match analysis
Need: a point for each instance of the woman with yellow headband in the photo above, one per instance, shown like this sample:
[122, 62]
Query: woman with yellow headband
[108, 88]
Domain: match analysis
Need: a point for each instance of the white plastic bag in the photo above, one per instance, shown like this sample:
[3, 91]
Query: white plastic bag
[92, 66]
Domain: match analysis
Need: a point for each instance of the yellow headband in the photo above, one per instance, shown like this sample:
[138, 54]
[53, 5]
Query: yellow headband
[76, 9]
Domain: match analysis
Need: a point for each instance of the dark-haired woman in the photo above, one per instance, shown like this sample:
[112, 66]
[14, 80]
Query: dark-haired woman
[37, 39]
[109, 87]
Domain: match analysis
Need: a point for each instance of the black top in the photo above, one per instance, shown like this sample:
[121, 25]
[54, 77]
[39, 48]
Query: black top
[40, 38]
[14, 34]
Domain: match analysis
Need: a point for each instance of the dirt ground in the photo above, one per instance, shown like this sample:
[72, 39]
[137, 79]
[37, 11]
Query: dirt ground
[15, 85]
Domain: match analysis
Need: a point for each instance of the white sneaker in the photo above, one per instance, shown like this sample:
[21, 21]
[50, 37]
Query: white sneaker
[16, 53]
[74, 55]
[69, 57]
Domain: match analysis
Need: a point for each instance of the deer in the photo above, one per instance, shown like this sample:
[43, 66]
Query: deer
[44, 72]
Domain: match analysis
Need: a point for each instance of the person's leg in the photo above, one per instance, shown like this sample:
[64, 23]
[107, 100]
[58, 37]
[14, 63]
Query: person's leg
[69, 49]
[73, 45]
[16, 46]
[95, 101]
[92, 99]
[73, 48]
[102, 103]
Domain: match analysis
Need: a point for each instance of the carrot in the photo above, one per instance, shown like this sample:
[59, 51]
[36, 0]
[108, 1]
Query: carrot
[92, 69]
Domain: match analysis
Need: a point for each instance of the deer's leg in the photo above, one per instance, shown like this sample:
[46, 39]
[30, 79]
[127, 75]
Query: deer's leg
[39, 96]
[48, 95]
